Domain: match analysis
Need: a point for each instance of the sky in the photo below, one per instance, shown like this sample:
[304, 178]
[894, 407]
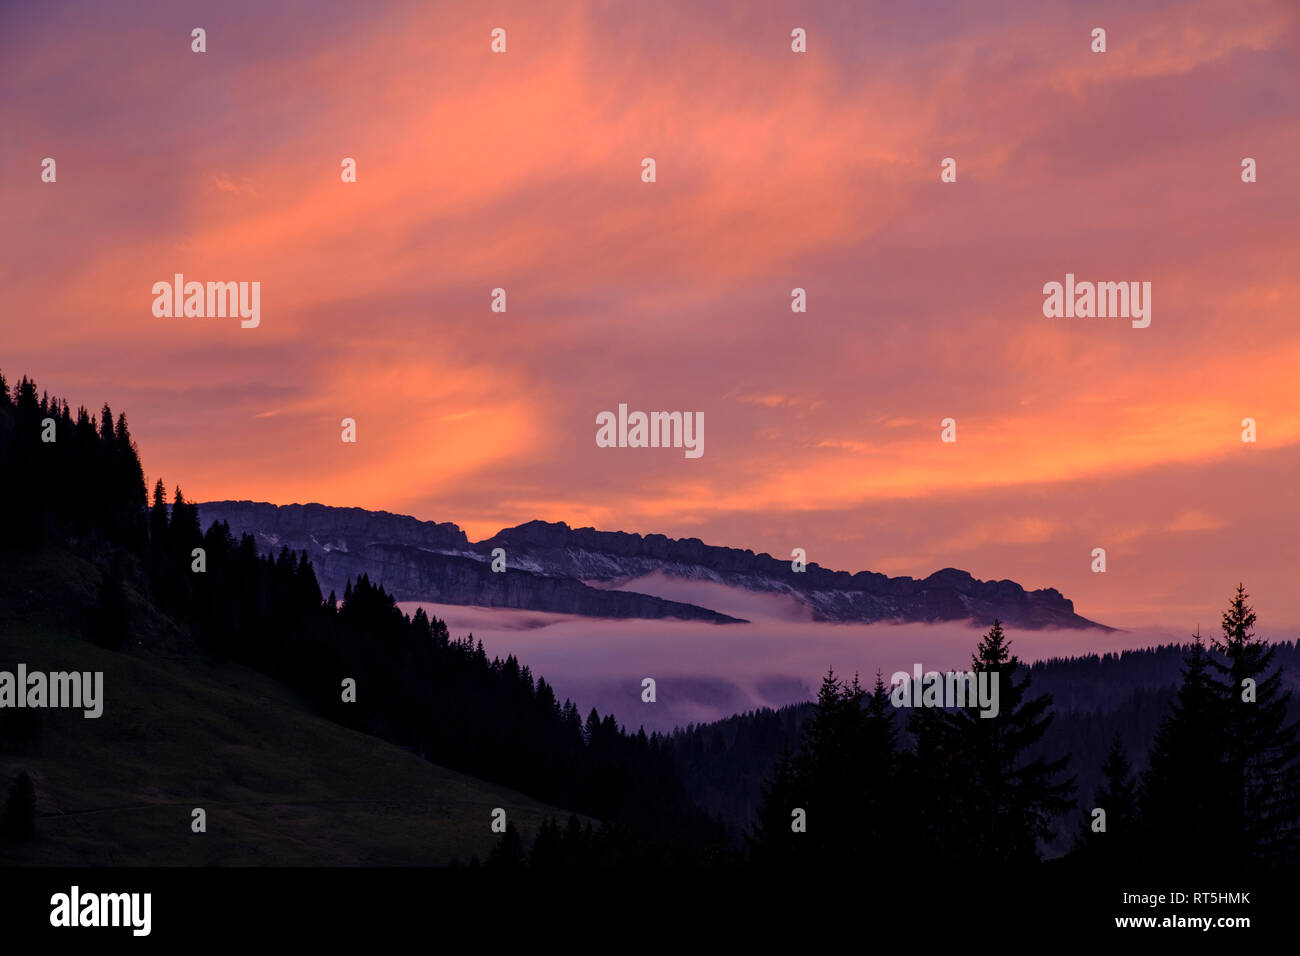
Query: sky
[775, 170]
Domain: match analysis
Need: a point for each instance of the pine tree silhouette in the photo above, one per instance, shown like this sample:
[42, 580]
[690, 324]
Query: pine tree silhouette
[1118, 797]
[844, 777]
[509, 851]
[547, 851]
[1005, 799]
[934, 780]
[883, 807]
[1261, 755]
[770, 839]
[829, 769]
[1183, 791]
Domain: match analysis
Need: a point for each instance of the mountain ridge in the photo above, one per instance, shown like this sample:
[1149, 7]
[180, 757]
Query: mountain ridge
[549, 565]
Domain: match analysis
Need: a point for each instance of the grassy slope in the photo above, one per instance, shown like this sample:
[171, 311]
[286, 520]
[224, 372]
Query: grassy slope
[280, 785]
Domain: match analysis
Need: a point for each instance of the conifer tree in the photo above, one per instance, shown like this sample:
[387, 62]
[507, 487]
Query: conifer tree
[771, 840]
[1007, 798]
[158, 518]
[829, 769]
[509, 851]
[1261, 753]
[844, 778]
[106, 425]
[883, 803]
[1183, 789]
[933, 780]
[1117, 796]
[880, 717]
[547, 851]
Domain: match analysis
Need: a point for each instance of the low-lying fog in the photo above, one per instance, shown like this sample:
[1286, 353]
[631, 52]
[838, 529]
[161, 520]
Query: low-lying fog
[707, 671]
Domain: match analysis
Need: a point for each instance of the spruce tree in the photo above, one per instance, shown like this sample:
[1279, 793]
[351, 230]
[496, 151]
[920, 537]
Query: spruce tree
[771, 841]
[830, 770]
[883, 806]
[1009, 799]
[880, 720]
[844, 777]
[1261, 753]
[509, 851]
[933, 781]
[1183, 789]
[547, 852]
[1117, 796]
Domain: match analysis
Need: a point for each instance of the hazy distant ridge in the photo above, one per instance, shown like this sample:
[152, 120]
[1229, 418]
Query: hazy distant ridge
[548, 564]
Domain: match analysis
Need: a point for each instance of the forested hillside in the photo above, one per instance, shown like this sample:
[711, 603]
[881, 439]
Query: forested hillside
[81, 487]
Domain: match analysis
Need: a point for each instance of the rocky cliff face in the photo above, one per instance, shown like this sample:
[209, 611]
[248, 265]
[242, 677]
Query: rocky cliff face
[424, 561]
[549, 564]
[333, 527]
[946, 595]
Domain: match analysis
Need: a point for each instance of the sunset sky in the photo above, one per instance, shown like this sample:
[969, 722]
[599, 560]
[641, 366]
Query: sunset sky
[775, 170]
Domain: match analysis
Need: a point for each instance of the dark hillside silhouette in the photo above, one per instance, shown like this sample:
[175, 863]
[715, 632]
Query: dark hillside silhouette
[416, 686]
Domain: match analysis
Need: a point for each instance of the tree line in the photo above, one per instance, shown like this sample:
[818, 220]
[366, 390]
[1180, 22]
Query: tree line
[415, 685]
[1221, 789]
